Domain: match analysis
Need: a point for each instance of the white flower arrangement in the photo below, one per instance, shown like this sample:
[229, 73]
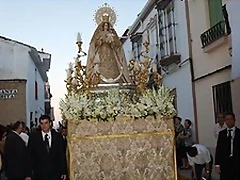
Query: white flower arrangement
[154, 102]
[114, 103]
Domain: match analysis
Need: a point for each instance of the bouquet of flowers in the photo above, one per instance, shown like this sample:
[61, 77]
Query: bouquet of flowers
[153, 102]
[114, 103]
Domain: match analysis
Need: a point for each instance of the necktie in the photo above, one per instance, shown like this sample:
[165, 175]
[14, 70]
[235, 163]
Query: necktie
[230, 142]
[46, 141]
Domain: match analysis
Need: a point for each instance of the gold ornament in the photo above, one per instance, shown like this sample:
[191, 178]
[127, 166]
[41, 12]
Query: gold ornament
[105, 14]
[77, 79]
[139, 71]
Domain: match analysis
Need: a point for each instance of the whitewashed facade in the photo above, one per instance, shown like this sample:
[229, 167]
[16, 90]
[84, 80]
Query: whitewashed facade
[232, 7]
[21, 61]
[168, 35]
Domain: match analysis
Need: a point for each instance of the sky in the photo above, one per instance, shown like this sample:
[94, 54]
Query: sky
[53, 25]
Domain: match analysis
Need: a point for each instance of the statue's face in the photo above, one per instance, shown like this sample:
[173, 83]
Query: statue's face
[105, 27]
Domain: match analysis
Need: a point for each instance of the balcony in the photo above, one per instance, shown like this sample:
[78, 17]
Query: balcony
[213, 34]
[172, 59]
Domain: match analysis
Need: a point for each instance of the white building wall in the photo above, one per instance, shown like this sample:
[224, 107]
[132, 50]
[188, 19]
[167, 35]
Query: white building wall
[150, 35]
[234, 14]
[37, 107]
[180, 78]
[13, 60]
[148, 18]
[16, 63]
[232, 7]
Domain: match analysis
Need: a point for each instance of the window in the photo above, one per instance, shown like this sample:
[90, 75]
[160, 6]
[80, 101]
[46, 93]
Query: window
[137, 48]
[215, 11]
[167, 31]
[153, 41]
[222, 98]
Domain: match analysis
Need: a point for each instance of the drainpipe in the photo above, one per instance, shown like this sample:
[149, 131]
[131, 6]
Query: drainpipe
[191, 68]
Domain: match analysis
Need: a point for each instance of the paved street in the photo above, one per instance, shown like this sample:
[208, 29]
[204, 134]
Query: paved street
[187, 174]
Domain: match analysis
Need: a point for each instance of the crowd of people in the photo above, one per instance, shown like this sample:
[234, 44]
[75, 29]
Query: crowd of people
[40, 154]
[197, 157]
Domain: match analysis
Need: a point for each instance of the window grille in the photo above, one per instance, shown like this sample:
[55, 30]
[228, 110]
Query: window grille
[167, 31]
[222, 98]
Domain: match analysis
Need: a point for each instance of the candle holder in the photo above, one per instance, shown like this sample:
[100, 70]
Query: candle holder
[77, 79]
[79, 43]
[132, 69]
[68, 81]
[143, 74]
[139, 70]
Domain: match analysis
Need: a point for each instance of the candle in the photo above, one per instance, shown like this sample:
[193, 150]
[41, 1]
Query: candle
[79, 38]
[146, 39]
[75, 73]
[76, 61]
[69, 73]
[132, 56]
[70, 66]
[154, 67]
[74, 81]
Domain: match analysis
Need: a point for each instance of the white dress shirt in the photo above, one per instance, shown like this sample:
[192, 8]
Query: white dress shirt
[218, 128]
[49, 137]
[25, 137]
[202, 157]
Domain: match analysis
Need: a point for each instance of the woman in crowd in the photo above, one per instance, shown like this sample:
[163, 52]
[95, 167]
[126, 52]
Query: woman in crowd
[179, 142]
[187, 137]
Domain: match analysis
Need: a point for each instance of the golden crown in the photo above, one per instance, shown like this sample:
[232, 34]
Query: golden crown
[105, 14]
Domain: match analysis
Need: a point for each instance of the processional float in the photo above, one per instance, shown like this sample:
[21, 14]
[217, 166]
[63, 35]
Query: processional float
[117, 128]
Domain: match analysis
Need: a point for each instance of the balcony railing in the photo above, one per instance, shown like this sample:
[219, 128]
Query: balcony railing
[213, 34]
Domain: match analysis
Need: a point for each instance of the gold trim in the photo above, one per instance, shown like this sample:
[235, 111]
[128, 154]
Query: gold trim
[122, 118]
[74, 138]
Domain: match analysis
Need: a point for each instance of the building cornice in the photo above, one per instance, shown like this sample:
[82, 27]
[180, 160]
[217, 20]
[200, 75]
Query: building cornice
[14, 41]
[135, 37]
[142, 15]
[14, 80]
[161, 4]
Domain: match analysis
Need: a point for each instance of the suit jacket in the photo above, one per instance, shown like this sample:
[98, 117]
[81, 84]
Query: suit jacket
[222, 152]
[46, 164]
[15, 154]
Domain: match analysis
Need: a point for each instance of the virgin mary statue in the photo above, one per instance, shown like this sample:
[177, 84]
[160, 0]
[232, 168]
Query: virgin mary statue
[106, 55]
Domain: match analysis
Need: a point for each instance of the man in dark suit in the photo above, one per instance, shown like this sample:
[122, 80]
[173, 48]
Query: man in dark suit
[15, 154]
[227, 157]
[47, 159]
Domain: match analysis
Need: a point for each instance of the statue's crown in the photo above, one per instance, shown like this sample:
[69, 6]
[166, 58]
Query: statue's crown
[105, 14]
